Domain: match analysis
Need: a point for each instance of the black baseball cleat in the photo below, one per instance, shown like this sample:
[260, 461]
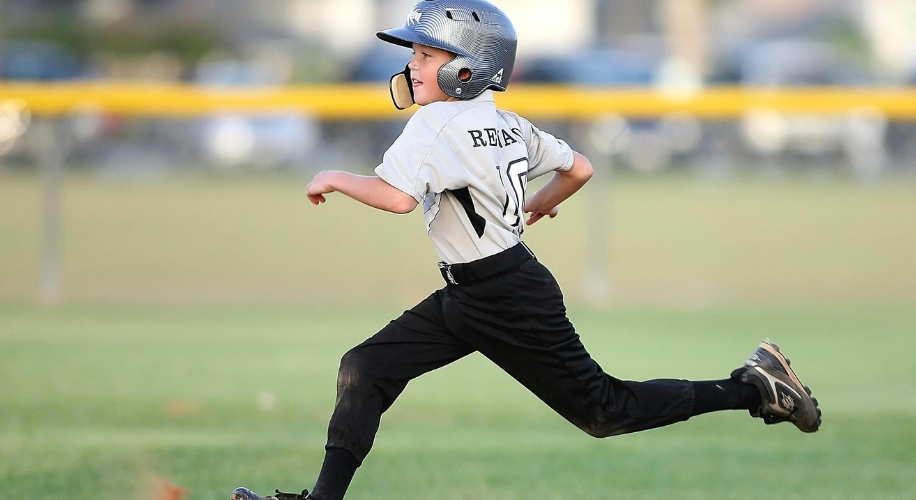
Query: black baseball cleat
[783, 396]
[246, 494]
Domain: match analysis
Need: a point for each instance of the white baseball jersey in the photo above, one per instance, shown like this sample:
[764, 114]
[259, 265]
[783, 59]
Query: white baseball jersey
[468, 164]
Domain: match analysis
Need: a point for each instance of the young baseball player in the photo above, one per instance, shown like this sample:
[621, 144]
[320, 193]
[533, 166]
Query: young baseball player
[468, 164]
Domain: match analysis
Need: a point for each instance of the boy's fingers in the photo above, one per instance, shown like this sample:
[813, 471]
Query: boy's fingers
[315, 194]
[536, 215]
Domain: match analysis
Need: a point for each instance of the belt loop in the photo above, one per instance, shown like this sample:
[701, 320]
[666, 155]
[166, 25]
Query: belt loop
[447, 272]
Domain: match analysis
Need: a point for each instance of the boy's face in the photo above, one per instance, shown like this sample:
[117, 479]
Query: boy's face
[424, 72]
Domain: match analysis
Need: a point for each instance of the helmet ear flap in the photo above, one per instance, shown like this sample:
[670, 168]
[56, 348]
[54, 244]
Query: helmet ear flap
[402, 90]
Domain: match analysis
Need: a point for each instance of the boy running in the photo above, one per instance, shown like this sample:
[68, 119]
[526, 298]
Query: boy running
[468, 164]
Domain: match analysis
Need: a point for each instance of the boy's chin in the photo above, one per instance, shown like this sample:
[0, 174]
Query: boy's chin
[423, 99]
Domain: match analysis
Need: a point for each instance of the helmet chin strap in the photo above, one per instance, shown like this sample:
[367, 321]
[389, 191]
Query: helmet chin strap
[402, 90]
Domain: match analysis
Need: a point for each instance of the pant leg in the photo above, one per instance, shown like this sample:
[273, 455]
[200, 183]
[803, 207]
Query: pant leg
[519, 321]
[373, 374]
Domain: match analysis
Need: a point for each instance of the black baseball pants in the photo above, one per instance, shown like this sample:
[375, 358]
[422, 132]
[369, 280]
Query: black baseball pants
[518, 321]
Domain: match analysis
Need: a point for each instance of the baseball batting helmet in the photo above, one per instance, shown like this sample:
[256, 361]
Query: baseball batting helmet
[481, 36]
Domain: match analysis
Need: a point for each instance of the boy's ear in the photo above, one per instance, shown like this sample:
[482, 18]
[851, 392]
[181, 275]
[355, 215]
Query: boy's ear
[402, 90]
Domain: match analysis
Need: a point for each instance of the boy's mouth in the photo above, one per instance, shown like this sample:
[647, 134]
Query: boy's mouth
[415, 82]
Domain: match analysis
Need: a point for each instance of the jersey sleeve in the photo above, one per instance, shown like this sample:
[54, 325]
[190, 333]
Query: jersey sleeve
[408, 164]
[546, 153]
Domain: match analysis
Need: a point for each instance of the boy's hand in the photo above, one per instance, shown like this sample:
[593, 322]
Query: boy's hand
[546, 201]
[320, 185]
[537, 215]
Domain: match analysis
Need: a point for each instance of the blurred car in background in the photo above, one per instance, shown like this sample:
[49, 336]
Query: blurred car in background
[31, 60]
[804, 139]
[641, 145]
[375, 65]
[38, 60]
[593, 67]
[230, 140]
[378, 63]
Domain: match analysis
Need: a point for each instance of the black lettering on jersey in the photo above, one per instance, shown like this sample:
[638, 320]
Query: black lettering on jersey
[493, 137]
[463, 196]
[508, 139]
[477, 137]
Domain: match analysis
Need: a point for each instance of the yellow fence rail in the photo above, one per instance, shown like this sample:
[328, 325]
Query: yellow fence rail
[371, 102]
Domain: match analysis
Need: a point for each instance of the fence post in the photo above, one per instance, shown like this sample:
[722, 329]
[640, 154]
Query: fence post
[605, 138]
[598, 227]
[50, 150]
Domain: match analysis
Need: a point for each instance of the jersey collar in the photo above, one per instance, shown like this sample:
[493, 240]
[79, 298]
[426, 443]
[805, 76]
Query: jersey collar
[485, 96]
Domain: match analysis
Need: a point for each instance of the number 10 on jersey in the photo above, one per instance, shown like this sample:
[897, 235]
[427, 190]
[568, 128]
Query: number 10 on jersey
[515, 181]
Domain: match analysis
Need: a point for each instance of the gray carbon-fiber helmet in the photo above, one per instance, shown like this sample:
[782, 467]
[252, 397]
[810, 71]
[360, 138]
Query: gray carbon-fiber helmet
[479, 33]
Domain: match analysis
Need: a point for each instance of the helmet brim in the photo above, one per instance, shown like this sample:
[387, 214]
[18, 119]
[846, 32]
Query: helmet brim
[397, 36]
[406, 37]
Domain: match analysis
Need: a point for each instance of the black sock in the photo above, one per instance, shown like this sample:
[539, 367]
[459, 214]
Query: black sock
[728, 394]
[336, 474]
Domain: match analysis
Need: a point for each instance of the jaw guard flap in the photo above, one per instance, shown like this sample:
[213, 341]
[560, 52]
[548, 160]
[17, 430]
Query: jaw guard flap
[402, 90]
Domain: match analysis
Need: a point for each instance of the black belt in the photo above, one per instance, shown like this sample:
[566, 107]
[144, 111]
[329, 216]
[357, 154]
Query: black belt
[486, 268]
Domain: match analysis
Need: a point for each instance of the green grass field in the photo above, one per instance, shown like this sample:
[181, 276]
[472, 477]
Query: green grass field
[203, 320]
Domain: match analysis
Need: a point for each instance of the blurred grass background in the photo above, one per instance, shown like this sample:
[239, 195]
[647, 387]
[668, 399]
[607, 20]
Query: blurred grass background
[675, 241]
[203, 319]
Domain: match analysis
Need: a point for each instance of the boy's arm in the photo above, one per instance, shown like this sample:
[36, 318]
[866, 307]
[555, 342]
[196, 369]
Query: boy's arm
[368, 189]
[560, 187]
